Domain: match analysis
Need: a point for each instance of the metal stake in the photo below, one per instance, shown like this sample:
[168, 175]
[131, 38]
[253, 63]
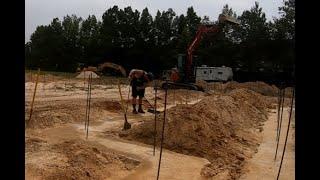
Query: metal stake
[162, 136]
[187, 97]
[155, 120]
[278, 114]
[285, 142]
[87, 105]
[88, 119]
[280, 124]
[174, 96]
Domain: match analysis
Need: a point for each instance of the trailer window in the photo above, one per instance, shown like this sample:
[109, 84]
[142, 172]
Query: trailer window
[210, 71]
[204, 72]
[219, 72]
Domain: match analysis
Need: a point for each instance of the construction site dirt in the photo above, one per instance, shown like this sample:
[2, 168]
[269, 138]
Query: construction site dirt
[214, 134]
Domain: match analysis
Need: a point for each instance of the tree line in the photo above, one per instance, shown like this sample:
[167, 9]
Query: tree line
[136, 39]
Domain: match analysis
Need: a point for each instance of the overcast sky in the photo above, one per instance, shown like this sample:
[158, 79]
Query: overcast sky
[41, 12]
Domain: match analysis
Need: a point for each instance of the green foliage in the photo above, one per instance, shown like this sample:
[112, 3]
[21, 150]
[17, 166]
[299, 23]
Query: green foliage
[138, 40]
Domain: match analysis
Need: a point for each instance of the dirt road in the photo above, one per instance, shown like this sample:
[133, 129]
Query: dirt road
[262, 165]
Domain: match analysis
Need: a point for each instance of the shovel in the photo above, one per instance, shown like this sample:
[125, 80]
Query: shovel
[153, 109]
[126, 124]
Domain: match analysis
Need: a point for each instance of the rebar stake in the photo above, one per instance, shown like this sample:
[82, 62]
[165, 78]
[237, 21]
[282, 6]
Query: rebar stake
[187, 93]
[164, 122]
[155, 120]
[278, 114]
[285, 142]
[87, 105]
[174, 96]
[88, 119]
[280, 124]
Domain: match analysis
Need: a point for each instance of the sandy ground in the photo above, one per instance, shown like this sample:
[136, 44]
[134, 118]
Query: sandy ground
[188, 166]
[71, 96]
[262, 165]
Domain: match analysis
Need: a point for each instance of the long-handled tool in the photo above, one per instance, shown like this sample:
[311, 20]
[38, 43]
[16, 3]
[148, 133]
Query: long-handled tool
[152, 109]
[128, 100]
[126, 125]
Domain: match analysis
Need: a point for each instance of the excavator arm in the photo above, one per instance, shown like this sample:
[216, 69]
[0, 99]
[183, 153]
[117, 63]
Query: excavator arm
[202, 30]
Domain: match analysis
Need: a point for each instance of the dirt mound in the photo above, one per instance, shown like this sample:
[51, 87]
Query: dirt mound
[177, 96]
[246, 95]
[259, 87]
[222, 128]
[49, 114]
[112, 106]
[75, 159]
[86, 74]
[31, 77]
[203, 84]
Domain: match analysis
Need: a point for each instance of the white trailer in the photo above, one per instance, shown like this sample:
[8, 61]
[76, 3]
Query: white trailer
[214, 73]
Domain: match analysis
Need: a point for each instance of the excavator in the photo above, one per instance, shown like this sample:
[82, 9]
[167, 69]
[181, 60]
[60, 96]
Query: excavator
[183, 76]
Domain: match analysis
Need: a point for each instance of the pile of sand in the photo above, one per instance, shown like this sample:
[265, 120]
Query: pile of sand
[259, 87]
[74, 159]
[86, 74]
[176, 96]
[31, 77]
[253, 98]
[222, 128]
[112, 106]
[48, 114]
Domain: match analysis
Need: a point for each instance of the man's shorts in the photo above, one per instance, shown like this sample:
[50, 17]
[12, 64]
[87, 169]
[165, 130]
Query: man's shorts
[136, 92]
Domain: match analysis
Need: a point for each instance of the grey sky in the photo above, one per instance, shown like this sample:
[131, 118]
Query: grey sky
[41, 12]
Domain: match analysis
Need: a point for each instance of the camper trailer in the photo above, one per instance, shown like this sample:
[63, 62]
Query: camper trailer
[206, 73]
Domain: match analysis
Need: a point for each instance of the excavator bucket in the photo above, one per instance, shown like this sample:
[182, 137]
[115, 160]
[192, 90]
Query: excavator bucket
[223, 18]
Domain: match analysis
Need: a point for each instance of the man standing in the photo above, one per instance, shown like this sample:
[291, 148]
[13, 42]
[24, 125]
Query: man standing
[138, 81]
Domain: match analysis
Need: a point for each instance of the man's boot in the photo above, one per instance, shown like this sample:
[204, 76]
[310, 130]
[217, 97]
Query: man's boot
[134, 111]
[140, 109]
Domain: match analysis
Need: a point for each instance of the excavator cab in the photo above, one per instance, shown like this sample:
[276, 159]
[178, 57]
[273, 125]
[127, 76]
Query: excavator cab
[182, 70]
[185, 77]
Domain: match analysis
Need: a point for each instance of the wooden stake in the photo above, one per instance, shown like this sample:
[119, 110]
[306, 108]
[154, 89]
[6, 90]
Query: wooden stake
[34, 95]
